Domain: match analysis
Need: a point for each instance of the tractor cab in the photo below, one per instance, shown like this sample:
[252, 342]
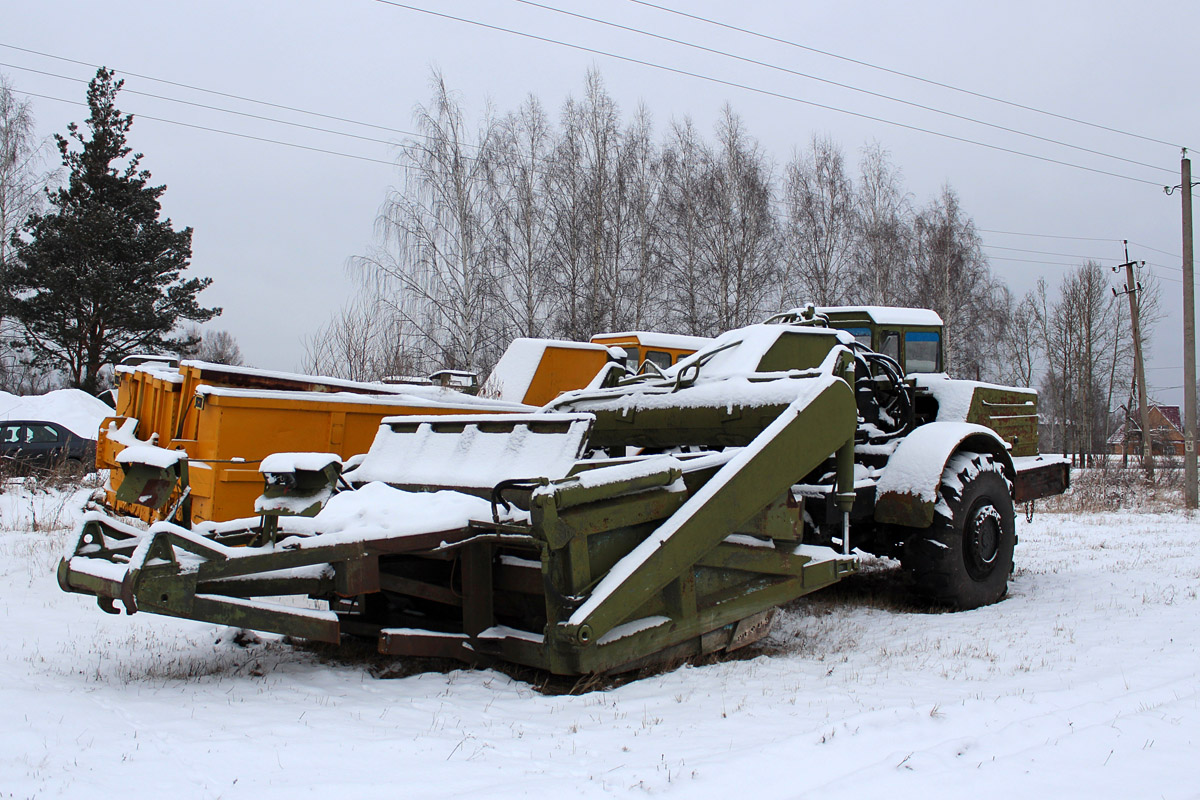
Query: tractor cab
[912, 336]
[662, 349]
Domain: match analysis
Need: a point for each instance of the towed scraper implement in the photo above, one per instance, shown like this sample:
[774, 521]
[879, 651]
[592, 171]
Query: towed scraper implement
[492, 537]
[647, 518]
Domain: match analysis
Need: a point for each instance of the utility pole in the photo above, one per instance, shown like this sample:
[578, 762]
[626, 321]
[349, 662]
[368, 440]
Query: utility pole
[1132, 288]
[1190, 488]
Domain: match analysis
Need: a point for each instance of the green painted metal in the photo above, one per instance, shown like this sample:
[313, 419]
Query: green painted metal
[147, 485]
[1012, 413]
[784, 452]
[624, 562]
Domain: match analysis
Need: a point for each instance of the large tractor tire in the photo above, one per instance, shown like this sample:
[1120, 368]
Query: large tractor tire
[964, 559]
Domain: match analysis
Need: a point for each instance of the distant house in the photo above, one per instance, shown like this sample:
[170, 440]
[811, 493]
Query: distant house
[1166, 432]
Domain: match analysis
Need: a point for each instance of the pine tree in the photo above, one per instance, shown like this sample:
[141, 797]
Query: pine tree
[98, 276]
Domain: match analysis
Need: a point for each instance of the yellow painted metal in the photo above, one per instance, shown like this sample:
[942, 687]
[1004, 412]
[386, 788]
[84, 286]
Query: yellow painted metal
[226, 435]
[563, 368]
[638, 344]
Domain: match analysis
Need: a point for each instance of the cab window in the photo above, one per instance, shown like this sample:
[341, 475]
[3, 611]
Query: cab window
[921, 351]
[659, 357]
[861, 335]
[632, 358]
[890, 344]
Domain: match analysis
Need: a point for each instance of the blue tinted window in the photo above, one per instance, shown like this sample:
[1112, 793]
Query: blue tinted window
[921, 351]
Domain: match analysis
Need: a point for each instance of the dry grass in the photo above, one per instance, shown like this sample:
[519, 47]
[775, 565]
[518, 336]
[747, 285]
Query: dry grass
[1108, 486]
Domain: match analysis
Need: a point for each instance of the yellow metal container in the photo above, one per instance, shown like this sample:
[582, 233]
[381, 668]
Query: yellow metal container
[228, 420]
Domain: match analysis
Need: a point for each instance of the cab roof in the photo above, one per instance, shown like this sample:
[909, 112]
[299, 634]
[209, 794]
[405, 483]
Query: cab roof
[883, 315]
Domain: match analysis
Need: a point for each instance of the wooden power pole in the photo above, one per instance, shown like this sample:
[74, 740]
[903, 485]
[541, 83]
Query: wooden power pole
[1190, 487]
[1133, 288]
[1189, 338]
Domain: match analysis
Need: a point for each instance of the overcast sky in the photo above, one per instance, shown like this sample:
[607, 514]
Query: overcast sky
[275, 225]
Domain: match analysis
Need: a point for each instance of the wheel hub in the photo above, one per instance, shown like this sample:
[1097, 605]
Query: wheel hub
[982, 540]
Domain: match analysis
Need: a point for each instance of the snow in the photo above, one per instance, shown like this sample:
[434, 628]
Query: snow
[211, 370]
[290, 462]
[639, 555]
[74, 409]
[377, 511]
[1082, 683]
[916, 466]
[413, 397]
[150, 455]
[954, 396]
[514, 372]
[741, 350]
[652, 339]
[886, 315]
[474, 457]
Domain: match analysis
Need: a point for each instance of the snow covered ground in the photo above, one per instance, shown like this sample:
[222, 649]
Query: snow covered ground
[1082, 683]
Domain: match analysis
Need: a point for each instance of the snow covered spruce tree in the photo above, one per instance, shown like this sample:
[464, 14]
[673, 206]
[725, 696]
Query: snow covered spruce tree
[98, 275]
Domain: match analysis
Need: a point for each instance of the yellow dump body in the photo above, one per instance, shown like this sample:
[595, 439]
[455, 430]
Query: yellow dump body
[228, 420]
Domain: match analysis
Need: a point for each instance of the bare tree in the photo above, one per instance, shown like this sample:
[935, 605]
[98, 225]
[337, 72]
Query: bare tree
[524, 227]
[737, 238]
[640, 181]
[215, 347]
[22, 156]
[583, 195]
[363, 341]
[22, 179]
[1022, 348]
[436, 268]
[1084, 345]
[819, 214]
[684, 156]
[950, 274]
[882, 230]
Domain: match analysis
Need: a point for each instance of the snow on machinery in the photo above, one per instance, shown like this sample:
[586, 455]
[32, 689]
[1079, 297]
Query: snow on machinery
[225, 420]
[536, 538]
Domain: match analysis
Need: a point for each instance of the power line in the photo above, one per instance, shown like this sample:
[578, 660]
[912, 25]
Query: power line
[1078, 239]
[757, 90]
[1155, 249]
[1052, 236]
[1048, 253]
[1073, 255]
[850, 87]
[218, 108]
[1062, 264]
[208, 91]
[232, 133]
[902, 74]
[327, 151]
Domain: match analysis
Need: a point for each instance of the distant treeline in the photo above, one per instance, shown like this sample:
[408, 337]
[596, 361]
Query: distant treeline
[525, 225]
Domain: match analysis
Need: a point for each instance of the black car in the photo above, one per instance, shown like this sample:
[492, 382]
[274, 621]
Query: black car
[45, 444]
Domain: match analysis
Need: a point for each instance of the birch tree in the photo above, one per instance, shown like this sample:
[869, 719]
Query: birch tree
[882, 240]
[522, 216]
[436, 270]
[819, 214]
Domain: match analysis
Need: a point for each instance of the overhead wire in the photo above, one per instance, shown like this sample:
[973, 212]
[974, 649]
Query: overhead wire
[758, 90]
[1049, 253]
[900, 73]
[228, 133]
[326, 151]
[395, 130]
[1052, 236]
[208, 91]
[216, 108]
[839, 84]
